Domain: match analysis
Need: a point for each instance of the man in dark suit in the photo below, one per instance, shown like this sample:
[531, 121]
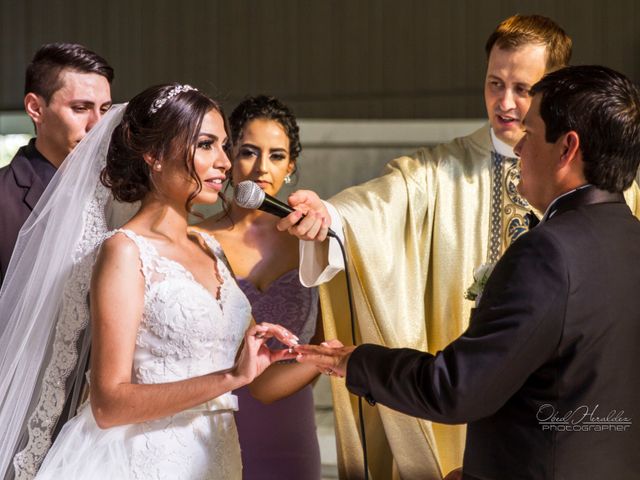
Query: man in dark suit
[546, 374]
[67, 90]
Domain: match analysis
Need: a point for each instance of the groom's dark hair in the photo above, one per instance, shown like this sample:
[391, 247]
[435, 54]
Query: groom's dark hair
[603, 107]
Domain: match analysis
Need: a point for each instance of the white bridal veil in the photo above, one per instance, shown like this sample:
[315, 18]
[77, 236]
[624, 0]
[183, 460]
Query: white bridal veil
[44, 308]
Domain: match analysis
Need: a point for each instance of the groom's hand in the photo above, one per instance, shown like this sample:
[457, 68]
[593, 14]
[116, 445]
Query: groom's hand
[330, 357]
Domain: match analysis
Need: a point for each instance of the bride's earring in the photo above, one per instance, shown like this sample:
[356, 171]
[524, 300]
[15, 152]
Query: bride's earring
[287, 179]
[157, 166]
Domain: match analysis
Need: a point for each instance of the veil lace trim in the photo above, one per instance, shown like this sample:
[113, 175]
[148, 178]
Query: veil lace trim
[72, 323]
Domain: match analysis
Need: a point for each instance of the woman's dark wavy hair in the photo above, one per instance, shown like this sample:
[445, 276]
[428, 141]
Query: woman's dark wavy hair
[169, 134]
[603, 107]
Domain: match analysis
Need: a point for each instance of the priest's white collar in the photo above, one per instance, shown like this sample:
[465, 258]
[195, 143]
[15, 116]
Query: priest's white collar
[501, 147]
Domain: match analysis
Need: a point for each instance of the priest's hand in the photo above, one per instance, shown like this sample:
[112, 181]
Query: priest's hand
[310, 220]
[330, 357]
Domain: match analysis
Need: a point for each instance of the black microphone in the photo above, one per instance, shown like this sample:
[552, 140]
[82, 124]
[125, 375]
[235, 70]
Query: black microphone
[249, 195]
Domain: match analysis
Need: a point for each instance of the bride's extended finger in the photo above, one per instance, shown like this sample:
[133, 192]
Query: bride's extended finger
[285, 354]
[315, 349]
[319, 360]
[281, 333]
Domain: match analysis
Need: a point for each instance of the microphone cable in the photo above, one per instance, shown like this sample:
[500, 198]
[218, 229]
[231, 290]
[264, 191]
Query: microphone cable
[353, 339]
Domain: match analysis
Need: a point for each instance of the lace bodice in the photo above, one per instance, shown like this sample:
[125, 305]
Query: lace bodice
[185, 331]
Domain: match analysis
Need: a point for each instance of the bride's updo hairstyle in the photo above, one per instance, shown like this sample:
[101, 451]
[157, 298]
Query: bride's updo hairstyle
[163, 122]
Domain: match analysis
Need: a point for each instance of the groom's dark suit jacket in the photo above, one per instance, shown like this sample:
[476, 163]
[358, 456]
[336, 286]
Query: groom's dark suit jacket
[21, 185]
[548, 373]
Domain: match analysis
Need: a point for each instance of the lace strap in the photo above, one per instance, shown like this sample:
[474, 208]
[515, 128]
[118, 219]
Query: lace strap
[211, 242]
[216, 249]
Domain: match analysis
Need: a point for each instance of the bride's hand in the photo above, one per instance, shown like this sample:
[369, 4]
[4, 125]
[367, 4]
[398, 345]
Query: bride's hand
[255, 356]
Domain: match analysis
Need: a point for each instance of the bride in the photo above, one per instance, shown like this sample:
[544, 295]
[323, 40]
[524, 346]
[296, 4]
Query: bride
[167, 318]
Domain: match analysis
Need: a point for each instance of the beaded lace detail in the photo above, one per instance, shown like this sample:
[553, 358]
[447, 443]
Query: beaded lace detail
[184, 330]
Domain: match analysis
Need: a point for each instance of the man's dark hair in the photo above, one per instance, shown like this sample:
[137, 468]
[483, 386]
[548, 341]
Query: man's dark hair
[603, 107]
[43, 73]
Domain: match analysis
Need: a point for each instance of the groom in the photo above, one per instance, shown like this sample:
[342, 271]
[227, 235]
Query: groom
[546, 372]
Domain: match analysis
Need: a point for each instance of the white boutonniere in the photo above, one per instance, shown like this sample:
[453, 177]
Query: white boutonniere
[480, 276]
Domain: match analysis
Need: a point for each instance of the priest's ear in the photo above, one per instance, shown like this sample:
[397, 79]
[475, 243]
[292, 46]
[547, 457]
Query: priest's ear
[34, 105]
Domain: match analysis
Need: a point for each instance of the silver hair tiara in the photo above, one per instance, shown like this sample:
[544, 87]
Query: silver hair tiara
[158, 104]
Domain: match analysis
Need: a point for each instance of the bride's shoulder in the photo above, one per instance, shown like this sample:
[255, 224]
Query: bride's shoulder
[118, 267]
[120, 245]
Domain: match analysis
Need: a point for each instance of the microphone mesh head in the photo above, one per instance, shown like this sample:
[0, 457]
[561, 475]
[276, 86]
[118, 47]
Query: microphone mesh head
[248, 195]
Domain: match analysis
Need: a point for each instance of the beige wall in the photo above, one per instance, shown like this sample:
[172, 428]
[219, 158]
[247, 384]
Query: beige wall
[327, 58]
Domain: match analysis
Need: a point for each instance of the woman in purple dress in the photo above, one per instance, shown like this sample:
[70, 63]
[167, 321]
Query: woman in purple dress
[278, 441]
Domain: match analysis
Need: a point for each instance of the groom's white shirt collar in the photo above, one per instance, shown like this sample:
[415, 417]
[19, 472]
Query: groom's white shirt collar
[550, 212]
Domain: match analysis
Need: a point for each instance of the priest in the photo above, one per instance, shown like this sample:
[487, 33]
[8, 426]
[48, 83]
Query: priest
[414, 237]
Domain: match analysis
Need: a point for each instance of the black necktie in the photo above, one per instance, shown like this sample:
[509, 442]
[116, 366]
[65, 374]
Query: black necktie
[532, 220]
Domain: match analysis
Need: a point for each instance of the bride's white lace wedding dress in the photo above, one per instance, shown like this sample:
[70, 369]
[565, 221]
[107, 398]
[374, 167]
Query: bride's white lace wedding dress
[185, 332]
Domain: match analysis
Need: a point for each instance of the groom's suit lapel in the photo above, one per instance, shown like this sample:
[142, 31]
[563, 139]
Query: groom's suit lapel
[27, 179]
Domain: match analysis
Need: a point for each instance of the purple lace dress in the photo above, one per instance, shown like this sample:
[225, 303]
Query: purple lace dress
[279, 441]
